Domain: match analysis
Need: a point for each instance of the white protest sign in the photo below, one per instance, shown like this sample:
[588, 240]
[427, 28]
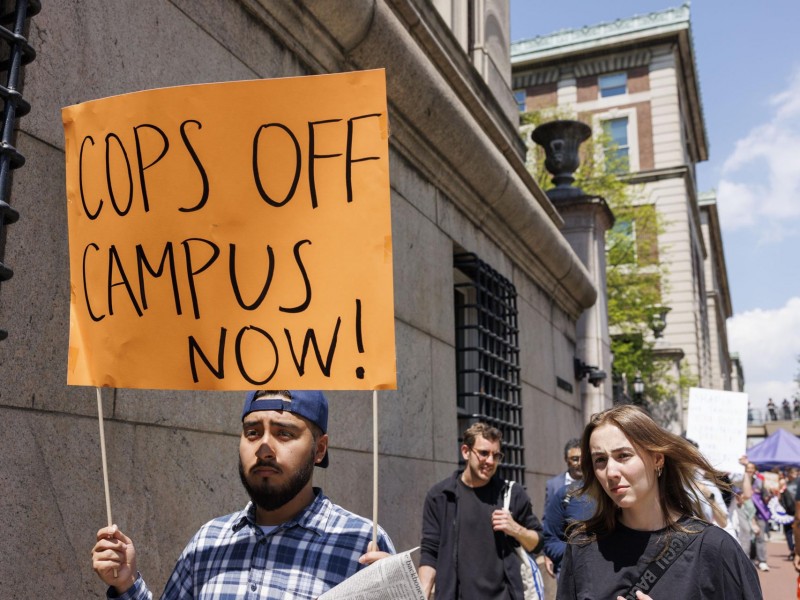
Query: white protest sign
[718, 423]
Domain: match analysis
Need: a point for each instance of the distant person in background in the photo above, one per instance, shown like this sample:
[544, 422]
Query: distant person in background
[761, 516]
[785, 500]
[564, 508]
[797, 408]
[797, 532]
[710, 496]
[747, 524]
[773, 416]
[787, 410]
[741, 512]
[741, 520]
[572, 456]
[792, 481]
[710, 499]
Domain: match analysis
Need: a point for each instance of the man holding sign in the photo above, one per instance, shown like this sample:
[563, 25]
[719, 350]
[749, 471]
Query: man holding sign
[289, 540]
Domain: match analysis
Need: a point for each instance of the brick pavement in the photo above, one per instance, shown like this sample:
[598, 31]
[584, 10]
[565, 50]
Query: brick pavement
[780, 582]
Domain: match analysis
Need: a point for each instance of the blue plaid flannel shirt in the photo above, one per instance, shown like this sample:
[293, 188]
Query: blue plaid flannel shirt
[231, 558]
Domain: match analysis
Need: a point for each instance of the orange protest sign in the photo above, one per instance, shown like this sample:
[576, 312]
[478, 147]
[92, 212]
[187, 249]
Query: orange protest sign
[232, 236]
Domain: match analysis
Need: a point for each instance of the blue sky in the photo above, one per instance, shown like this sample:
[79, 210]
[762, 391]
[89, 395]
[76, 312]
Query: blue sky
[748, 59]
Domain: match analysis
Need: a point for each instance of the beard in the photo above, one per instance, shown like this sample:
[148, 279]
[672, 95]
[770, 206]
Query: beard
[576, 474]
[271, 496]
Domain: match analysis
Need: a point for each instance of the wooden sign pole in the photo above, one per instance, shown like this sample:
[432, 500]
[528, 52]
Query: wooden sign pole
[375, 468]
[103, 458]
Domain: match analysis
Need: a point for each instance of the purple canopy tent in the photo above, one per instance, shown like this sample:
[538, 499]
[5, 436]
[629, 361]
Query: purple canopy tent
[778, 450]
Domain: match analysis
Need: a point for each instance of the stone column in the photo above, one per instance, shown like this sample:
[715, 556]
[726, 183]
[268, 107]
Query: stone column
[586, 220]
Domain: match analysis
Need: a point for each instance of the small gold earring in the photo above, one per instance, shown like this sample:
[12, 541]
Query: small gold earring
[658, 471]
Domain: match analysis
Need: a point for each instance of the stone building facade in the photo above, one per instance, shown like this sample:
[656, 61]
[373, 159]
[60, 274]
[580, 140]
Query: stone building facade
[724, 364]
[465, 212]
[636, 79]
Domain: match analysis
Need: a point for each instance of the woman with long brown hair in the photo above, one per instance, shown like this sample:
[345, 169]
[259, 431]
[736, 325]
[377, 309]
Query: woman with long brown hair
[648, 538]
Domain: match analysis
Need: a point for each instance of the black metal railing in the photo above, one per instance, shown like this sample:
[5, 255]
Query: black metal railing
[19, 53]
[487, 358]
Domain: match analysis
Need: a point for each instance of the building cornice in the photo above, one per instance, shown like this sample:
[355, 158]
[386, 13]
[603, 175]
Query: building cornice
[613, 62]
[594, 204]
[532, 78]
[671, 353]
[588, 47]
[607, 33]
[578, 40]
[440, 125]
[652, 175]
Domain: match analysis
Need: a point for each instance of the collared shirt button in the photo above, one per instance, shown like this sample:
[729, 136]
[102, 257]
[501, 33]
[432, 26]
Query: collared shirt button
[253, 587]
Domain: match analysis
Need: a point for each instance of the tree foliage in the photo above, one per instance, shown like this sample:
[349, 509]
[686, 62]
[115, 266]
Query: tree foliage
[635, 277]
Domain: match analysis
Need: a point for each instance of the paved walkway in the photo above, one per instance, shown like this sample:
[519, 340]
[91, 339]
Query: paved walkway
[780, 582]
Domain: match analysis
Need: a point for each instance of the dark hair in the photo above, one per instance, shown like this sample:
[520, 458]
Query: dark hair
[488, 432]
[727, 494]
[573, 443]
[677, 486]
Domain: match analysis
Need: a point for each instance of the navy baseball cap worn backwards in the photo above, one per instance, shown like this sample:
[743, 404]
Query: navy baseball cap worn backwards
[310, 404]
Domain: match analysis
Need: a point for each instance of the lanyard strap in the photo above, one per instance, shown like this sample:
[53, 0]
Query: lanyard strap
[507, 494]
[678, 543]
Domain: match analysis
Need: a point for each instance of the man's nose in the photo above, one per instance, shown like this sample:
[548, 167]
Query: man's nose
[264, 449]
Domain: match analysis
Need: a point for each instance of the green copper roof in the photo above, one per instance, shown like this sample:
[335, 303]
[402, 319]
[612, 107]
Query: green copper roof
[707, 198]
[602, 33]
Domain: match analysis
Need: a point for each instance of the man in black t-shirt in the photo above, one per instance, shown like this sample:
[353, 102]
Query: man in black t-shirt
[468, 539]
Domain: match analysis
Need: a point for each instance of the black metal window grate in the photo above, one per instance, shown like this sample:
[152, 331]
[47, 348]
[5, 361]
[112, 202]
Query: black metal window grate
[487, 357]
[16, 53]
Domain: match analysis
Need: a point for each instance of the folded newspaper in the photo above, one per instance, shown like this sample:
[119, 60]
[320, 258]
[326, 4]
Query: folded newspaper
[392, 578]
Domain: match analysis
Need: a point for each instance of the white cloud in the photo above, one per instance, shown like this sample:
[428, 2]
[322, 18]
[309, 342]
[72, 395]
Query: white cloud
[760, 183]
[768, 344]
[737, 204]
[788, 102]
[761, 391]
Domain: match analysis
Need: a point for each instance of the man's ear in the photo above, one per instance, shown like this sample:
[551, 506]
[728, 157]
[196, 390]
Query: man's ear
[322, 448]
[465, 452]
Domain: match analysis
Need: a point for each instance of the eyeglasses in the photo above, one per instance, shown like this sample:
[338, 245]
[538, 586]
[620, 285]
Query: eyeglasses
[574, 459]
[485, 454]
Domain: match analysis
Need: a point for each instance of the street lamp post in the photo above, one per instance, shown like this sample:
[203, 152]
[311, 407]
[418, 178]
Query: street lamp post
[638, 390]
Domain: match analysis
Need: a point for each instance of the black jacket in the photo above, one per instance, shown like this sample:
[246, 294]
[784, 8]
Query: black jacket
[440, 534]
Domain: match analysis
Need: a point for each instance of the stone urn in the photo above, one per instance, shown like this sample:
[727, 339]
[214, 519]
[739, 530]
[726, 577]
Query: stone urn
[561, 141]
